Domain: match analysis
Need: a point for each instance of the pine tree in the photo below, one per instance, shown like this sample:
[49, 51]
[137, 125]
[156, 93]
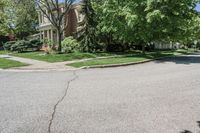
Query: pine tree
[88, 38]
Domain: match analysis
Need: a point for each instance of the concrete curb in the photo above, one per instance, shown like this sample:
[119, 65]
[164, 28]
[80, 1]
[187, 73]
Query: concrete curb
[90, 67]
[37, 70]
[128, 64]
[117, 65]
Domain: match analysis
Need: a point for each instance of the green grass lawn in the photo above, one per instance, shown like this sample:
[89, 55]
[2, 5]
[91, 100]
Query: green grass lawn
[59, 57]
[5, 63]
[119, 57]
[129, 58]
[3, 52]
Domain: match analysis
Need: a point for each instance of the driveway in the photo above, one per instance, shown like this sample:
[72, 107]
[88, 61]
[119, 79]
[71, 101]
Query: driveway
[156, 97]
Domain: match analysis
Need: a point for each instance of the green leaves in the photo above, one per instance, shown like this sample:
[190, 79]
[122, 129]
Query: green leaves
[19, 17]
[155, 15]
[144, 21]
[136, 21]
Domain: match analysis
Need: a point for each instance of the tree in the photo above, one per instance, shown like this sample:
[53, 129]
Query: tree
[88, 34]
[114, 21]
[56, 12]
[3, 19]
[18, 17]
[145, 21]
[26, 18]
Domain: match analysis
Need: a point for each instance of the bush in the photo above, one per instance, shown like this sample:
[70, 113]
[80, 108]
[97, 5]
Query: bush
[3, 39]
[20, 46]
[115, 47]
[8, 45]
[23, 45]
[70, 45]
[35, 43]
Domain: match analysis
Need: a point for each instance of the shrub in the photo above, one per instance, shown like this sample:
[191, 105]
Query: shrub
[49, 46]
[70, 45]
[20, 46]
[115, 47]
[35, 43]
[8, 45]
[23, 45]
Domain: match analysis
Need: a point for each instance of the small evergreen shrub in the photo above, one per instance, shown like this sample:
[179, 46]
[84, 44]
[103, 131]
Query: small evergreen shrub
[70, 45]
[20, 46]
[8, 45]
[35, 44]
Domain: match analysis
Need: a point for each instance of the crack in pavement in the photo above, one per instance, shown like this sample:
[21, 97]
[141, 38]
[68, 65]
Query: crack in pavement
[60, 100]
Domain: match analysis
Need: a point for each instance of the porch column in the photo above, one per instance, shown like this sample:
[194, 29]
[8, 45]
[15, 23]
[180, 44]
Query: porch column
[52, 36]
[48, 37]
[40, 35]
[43, 34]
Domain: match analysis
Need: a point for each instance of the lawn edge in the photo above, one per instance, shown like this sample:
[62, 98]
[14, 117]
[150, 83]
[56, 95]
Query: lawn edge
[131, 63]
[13, 67]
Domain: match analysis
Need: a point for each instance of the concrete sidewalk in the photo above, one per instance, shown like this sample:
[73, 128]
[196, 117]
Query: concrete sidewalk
[43, 65]
[37, 65]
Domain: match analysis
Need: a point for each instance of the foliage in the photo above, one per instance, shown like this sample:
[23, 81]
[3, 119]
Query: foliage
[3, 39]
[4, 27]
[144, 21]
[88, 34]
[20, 46]
[26, 18]
[35, 43]
[49, 46]
[112, 25]
[8, 45]
[57, 17]
[18, 17]
[70, 45]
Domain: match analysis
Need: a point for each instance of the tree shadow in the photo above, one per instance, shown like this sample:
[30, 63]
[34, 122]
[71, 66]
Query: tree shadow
[187, 131]
[187, 59]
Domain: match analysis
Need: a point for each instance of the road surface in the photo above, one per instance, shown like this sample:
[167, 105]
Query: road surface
[156, 97]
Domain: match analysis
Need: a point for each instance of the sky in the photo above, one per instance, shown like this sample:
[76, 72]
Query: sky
[198, 7]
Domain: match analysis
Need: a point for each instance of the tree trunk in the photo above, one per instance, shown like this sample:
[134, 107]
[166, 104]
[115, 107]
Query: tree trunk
[59, 42]
[143, 48]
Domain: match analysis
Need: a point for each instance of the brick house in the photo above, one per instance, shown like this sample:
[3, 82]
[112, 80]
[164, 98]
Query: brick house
[75, 20]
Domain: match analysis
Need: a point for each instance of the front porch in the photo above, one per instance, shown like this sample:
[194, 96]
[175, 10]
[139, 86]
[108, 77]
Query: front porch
[49, 35]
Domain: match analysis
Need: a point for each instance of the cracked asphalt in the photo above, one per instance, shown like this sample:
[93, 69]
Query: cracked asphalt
[156, 97]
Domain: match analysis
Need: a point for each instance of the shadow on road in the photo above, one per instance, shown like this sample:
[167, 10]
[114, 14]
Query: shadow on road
[187, 131]
[187, 60]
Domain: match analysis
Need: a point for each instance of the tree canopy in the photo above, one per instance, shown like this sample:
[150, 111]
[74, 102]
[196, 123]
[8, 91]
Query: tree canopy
[18, 17]
[145, 21]
[109, 22]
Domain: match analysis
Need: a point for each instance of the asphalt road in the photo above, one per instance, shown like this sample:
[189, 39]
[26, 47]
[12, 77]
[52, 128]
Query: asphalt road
[156, 97]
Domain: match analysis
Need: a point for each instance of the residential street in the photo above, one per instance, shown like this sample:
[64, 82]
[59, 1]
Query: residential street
[156, 97]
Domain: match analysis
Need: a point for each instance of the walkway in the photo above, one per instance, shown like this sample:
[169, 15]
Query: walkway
[42, 65]
[37, 65]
